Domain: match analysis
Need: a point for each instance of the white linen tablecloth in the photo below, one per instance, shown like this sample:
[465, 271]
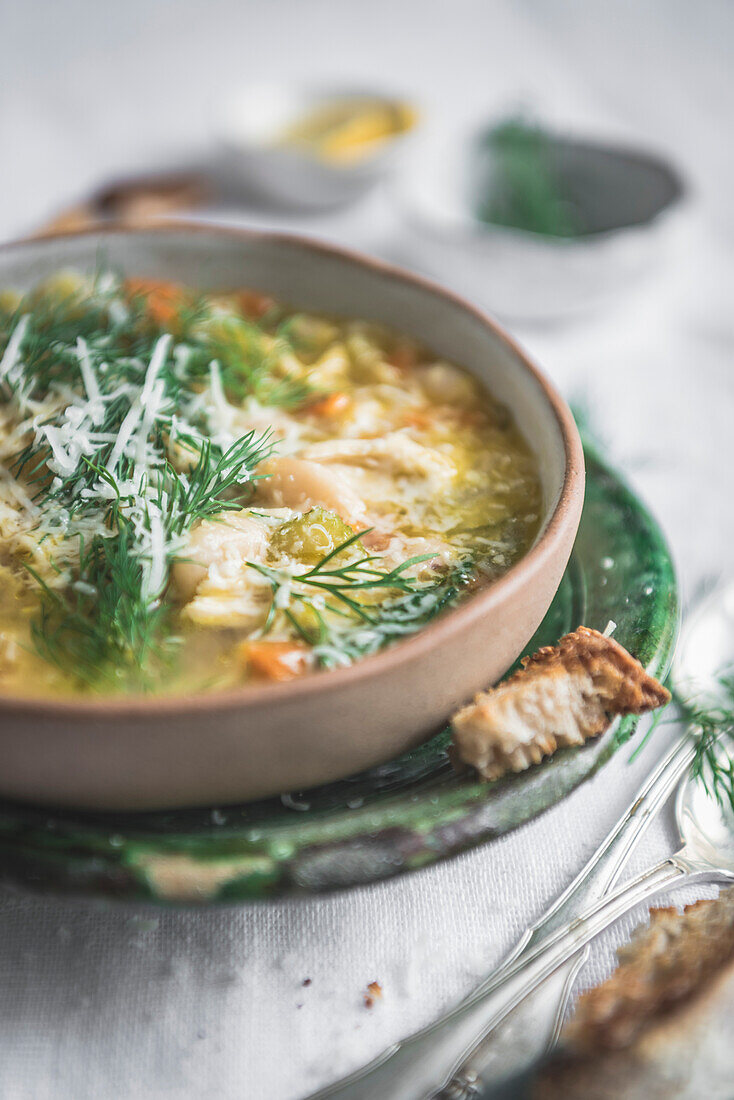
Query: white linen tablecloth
[106, 1001]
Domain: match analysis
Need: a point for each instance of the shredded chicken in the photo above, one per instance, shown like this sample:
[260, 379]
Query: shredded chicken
[213, 579]
[562, 696]
[395, 549]
[445, 382]
[395, 454]
[301, 484]
[221, 546]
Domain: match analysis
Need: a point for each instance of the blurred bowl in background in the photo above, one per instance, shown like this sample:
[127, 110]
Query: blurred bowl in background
[630, 200]
[311, 147]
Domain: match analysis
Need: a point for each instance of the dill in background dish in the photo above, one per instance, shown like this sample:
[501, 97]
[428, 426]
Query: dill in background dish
[521, 187]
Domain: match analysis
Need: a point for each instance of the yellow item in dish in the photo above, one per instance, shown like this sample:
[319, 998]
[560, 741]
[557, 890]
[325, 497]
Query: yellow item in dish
[348, 130]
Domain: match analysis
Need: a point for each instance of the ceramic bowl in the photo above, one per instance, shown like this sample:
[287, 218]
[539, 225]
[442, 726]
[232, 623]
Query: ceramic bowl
[248, 122]
[631, 199]
[240, 744]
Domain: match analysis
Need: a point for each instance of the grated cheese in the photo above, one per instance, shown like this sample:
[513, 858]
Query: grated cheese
[11, 353]
[95, 407]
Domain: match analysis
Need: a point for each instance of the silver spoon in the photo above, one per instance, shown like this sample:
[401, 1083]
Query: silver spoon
[434, 1063]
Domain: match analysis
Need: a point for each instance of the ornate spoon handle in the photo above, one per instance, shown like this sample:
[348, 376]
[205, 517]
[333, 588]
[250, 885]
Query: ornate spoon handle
[447, 1055]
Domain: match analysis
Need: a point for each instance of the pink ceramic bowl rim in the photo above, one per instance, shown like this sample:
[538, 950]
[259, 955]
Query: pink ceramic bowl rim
[447, 625]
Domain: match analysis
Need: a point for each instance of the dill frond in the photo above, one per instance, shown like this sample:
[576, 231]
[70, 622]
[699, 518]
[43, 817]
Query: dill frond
[712, 726]
[326, 604]
[524, 189]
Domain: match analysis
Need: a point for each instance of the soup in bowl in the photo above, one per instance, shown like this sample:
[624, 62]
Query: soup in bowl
[267, 512]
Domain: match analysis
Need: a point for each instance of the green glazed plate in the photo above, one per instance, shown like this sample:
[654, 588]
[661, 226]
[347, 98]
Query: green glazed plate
[403, 815]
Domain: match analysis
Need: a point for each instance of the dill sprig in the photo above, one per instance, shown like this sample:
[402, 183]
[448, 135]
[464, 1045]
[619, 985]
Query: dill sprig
[203, 492]
[325, 604]
[102, 632]
[397, 618]
[712, 726]
[522, 188]
[250, 361]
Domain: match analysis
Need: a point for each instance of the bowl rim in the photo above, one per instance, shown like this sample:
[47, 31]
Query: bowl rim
[452, 621]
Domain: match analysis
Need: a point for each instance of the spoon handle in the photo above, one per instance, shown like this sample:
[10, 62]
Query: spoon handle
[424, 1067]
[595, 878]
[535, 965]
[414, 1067]
[601, 871]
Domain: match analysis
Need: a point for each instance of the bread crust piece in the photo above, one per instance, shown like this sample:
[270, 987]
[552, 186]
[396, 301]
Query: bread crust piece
[660, 1027]
[563, 695]
[664, 963]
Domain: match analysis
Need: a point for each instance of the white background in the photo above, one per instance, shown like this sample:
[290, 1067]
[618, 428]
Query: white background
[102, 1002]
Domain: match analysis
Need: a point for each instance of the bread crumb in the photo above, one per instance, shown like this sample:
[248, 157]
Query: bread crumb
[374, 992]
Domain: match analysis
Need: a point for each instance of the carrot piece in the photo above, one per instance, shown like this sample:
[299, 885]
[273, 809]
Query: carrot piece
[333, 405]
[253, 304]
[274, 660]
[163, 300]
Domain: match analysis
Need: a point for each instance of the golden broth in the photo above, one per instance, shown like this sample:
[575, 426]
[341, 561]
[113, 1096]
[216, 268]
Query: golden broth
[379, 486]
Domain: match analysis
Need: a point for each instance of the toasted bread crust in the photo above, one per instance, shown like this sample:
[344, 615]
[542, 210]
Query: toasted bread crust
[664, 963]
[563, 695]
[617, 675]
[660, 1027]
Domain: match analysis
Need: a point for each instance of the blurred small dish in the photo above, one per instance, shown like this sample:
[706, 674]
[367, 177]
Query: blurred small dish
[630, 200]
[312, 146]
